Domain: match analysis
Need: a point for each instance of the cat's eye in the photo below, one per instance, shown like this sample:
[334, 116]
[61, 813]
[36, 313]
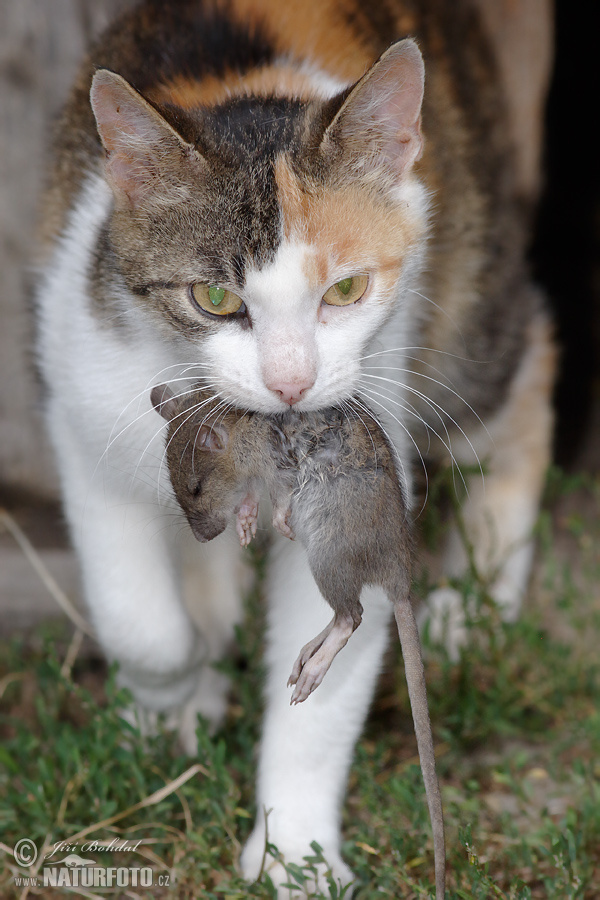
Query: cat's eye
[346, 291]
[213, 299]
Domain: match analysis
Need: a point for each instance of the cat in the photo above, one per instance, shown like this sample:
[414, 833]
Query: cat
[292, 204]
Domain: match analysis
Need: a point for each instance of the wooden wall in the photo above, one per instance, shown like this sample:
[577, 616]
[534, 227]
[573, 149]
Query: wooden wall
[41, 43]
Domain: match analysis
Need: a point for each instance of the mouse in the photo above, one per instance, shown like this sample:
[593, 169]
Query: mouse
[334, 486]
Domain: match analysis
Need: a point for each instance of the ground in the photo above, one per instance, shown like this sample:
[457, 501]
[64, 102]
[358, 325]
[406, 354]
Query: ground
[516, 721]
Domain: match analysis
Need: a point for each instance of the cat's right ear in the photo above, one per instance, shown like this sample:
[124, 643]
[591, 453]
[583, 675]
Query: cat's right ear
[377, 130]
[144, 153]
[164, 401]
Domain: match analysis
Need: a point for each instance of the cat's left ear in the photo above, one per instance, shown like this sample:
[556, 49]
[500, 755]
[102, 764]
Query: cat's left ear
[378, 127]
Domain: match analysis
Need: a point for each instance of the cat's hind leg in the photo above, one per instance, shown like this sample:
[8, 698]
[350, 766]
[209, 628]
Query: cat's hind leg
[501, 509]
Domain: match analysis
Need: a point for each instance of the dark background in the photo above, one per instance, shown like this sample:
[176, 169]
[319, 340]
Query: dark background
[565, 252]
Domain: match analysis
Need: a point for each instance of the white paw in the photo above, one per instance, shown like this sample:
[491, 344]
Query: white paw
[444, 611]
[255, 863]
[209, 700]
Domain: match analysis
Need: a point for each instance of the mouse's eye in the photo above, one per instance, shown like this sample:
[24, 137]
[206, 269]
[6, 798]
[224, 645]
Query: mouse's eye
[215, 300]
[195, 489]
[346, 291]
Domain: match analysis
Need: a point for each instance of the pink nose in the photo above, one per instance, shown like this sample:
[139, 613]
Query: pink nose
[290, 392]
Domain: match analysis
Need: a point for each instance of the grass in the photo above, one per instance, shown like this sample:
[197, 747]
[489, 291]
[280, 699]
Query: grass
[517, 724]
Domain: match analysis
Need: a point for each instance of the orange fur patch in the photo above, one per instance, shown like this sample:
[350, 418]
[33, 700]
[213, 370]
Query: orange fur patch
[317, 33]
[188, 93]
[349, 229]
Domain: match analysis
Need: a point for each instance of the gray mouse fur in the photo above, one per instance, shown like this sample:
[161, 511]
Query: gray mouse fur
[334, 486]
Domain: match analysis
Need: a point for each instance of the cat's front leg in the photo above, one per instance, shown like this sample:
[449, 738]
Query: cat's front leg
[306, 750]
[132, 587]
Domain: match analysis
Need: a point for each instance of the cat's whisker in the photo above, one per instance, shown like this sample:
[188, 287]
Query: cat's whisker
[415, 412]
[146, 450]
[440, 309]
[448, 445]
[139, 417]
[411, 372]
[133, 475]
[221, 409]
[439, 410]
[347, 404]
[410, 437]
[156, 379]
[191, 412]
[401, 350]
[363, 404]
[419, 360]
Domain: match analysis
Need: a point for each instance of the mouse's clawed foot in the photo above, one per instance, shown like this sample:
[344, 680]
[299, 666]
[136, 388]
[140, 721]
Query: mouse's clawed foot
[307, 653]
[311, 676]
[315, 658]
[281, 521]
[247, 515]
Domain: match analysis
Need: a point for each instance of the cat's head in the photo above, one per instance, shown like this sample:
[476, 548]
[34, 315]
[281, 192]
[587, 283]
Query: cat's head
[274, 234]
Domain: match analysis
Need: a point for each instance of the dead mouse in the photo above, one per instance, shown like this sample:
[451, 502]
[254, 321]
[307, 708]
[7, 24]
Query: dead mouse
[334, 486]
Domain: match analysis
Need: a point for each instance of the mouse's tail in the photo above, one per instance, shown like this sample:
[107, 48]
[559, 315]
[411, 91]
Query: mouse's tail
[417, 691]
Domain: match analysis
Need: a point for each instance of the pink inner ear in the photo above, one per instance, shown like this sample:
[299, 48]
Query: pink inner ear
[129, 132]
[212, 437]
[143, 151]
[380, 120]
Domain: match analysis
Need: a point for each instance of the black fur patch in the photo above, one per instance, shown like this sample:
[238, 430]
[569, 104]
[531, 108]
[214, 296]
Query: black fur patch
[240, 140]
[184, 38]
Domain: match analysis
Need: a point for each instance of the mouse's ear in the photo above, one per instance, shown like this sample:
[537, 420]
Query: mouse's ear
[212, 437]
[164, 401]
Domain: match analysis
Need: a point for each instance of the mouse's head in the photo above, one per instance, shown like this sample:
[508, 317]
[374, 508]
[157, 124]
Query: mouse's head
[200, 468]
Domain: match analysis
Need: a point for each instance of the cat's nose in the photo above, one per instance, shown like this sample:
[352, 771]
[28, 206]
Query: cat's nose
[290, 391]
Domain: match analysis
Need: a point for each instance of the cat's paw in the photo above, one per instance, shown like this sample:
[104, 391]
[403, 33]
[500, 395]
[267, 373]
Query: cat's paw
[255, 864]
[444, 612]
[209, 700]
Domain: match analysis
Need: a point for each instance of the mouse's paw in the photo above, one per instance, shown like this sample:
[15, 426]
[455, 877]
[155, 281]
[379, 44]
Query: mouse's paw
[281, 521]
[307, 652]
[312, 674]
[246, 519]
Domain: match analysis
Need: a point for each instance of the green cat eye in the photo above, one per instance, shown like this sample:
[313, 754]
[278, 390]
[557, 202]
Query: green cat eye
[215, 300]
[216, 295]
[346, 291]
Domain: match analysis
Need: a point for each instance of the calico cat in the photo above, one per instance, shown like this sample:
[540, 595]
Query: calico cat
[275, 200]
